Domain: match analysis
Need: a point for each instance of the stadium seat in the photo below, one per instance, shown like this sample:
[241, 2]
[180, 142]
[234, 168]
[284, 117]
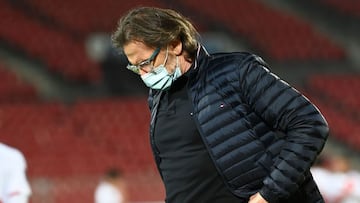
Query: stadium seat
[279, 35]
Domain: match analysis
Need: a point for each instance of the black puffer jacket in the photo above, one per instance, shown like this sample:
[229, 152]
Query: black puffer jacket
[262, 134]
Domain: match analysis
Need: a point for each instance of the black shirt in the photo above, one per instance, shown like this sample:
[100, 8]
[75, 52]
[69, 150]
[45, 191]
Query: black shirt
[188, 172]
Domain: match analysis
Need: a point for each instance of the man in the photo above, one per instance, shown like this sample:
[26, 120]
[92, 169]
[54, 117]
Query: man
[14, 186]
[223, 127]
[337, 181]
[112, 188]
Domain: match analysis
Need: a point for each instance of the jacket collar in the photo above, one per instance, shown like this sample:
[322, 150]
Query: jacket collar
[201, 53]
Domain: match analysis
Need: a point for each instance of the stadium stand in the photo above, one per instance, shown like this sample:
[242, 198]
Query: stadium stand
[349, 7]
[337, 97]
[69, 145]
[85, 138]
[78, 16]
[13, 88]
[336, 87]
[279, 35]
[59, 52]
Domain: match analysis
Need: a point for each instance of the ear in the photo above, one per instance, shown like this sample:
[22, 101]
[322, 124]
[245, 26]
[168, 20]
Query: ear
[176, 47]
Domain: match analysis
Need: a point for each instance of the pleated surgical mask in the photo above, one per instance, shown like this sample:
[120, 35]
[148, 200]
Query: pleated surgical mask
[159, 78]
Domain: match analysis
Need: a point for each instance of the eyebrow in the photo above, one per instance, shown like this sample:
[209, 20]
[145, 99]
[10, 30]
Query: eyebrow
[155, 52]
[138, 63]
[129, 56]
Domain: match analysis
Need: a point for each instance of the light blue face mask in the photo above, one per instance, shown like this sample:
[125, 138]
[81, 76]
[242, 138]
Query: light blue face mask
[159, 78]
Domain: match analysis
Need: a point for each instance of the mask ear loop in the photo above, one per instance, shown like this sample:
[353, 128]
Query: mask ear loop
[163, 64]
[177, 62]
[166, 56]
[177, 66]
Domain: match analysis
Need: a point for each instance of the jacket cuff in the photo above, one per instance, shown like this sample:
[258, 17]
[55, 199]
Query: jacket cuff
[268, 195]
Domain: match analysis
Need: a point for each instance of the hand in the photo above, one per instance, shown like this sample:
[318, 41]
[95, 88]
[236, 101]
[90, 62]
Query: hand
[257, 198]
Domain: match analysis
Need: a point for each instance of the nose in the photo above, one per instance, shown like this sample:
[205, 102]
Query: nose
[142, 72]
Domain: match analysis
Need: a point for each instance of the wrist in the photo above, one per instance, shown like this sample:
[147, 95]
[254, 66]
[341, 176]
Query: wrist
[268, 195]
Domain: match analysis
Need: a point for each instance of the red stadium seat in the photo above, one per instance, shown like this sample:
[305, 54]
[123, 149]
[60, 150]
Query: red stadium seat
[279, 35]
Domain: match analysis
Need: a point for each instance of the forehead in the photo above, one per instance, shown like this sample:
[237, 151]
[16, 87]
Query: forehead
[136, 49]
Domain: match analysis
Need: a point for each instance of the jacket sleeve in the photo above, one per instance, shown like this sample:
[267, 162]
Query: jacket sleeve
[287, 110]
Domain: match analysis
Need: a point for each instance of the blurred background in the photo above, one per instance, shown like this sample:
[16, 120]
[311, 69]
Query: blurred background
[69, 104]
